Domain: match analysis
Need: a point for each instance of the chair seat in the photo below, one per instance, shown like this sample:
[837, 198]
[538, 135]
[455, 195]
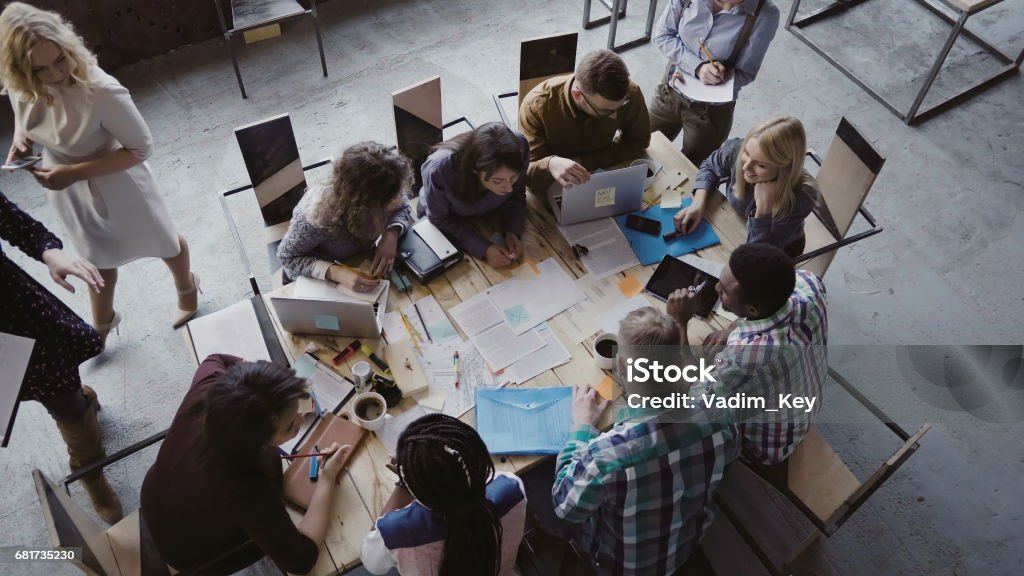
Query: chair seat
[250, 13]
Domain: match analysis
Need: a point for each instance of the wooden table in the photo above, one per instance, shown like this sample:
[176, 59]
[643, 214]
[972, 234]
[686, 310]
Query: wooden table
[367, 484]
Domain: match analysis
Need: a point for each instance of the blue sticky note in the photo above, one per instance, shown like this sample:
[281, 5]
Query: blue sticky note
[326, 322]
[517, 315]
[442, 331]
[304, 366]
[650, 249]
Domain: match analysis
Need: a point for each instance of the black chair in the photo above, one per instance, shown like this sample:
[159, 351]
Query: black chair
[539, 59]
[252, 14]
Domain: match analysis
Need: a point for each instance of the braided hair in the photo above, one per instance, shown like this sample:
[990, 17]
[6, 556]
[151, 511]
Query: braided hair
[446, 466]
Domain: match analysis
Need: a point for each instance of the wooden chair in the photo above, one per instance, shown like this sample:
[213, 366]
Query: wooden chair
[845, 177]
[278, 178]
[124, 549]
[539, 59]
[418, 124]
[816, 482]
[251, 14]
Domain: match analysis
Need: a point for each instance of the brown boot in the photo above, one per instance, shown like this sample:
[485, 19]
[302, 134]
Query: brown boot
[85, 446]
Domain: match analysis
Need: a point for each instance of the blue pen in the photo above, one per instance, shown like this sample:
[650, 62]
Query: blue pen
[314, 466]
[316, 403]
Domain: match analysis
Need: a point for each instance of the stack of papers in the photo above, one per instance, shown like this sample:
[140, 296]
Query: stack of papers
[435, 327]
[608, 251]
[443, 394]
[552, 354]
[524, 420]
[499, 345]
[609, 320]
[584, 319]
[531, 297]
[233, 330]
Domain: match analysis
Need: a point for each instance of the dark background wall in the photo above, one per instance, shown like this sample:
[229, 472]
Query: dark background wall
[124, 31]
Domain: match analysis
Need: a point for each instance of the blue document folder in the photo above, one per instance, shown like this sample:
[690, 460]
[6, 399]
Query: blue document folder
[524, 420]
[650, 249]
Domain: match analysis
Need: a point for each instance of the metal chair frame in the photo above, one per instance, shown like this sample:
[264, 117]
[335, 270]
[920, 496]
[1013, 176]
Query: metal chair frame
[617, 11]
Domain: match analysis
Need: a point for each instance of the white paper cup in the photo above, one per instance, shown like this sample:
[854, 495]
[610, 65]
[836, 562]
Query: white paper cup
[368, 410]
[605, 348]
[652, 168]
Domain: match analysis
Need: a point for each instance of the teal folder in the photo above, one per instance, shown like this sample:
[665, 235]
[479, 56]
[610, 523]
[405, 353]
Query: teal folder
[650, 249]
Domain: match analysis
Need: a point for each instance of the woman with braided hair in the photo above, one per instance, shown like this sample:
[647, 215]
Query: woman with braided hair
[450, 514]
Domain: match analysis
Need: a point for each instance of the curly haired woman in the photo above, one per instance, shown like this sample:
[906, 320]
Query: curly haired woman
[364, 200]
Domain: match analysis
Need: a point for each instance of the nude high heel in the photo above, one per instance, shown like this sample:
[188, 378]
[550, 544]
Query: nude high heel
[183, 316]
[104, 329]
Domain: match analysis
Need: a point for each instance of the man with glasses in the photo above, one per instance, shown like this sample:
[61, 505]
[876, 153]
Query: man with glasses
[593, 118]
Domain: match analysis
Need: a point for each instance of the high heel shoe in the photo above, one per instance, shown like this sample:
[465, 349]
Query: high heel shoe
[104, 329]
[181, 316]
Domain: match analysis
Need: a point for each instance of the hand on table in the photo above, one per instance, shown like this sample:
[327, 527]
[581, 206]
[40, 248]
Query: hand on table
[332, 464]
[384, 256]
[498, 257]
[351, 279]
[687, 219]
[587, 406]
[513, 246]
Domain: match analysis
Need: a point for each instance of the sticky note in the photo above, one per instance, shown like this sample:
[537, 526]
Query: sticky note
[630, 286]
[672, 198]
[604, 197]
[605, 388]
[517, 315]
[304, 367]
[326, 322]
[532, 264]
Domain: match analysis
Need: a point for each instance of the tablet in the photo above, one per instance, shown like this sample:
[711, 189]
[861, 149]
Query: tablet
[673, 274]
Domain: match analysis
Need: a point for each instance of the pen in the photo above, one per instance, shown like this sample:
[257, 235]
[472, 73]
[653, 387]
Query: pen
[306, 455]
[711, 59]
[316, 403]
[699, 287]
[375, 359]
[346, 352]
[422, 323]
[455, 360]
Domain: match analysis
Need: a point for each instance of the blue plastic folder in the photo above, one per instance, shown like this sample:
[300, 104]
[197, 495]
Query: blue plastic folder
[524, 420]
[650, 249]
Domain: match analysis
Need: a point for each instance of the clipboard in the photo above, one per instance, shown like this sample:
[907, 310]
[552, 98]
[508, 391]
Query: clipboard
[298, 488]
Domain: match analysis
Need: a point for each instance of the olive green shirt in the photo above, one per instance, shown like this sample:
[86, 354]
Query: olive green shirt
[555, 126]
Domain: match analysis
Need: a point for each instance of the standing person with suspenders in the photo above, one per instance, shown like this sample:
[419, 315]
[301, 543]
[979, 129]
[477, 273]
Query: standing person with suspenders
[735, 36]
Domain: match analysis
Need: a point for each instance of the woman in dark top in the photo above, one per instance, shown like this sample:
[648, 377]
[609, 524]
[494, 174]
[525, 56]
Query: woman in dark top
[765, 181]
[62, 342]
[477, 173]
[213, 498]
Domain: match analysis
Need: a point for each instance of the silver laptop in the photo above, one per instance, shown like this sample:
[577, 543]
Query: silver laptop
[335, 317]
[607, 193]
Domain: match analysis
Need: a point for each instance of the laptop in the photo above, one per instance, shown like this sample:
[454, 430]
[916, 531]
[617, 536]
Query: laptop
[607, 193]
[350, 318]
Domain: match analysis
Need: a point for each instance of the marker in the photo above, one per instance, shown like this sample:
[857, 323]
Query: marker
[672, 236]
[314, 466]
[346, 352]
[375, 359]
[316, 403]
[455, 360]
[422, 323]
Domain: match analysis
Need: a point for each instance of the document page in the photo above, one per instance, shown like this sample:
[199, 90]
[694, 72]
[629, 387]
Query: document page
[395, 425]
[607, 249]
[581, 321]
[233, 330]
[493, 338]
[532, 297]
[694, 89]
[552, 354]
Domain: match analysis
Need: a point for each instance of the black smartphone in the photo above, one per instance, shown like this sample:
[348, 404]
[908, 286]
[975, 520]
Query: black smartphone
[645, 225]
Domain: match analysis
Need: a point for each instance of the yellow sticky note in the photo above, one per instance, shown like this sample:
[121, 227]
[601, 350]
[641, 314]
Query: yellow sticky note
[630, 286]
[606, 388]
[532, 264]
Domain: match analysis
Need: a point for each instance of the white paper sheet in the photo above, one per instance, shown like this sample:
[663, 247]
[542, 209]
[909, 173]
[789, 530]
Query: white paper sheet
[394, 328]
[233, 330]
[581, 321]
[703, 264]
[529, 298]
[609, 251]
[15, 353]
[493, 338]
[609, 321]
[395, 425]
[551, 355]
[306, 287]
[438, 329]
[694, 89]
[473, 374]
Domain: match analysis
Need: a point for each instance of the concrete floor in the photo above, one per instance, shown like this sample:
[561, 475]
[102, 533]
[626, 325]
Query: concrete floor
[947, 270]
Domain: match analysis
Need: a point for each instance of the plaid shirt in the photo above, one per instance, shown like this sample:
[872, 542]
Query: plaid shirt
[782, 354]
[641, 491]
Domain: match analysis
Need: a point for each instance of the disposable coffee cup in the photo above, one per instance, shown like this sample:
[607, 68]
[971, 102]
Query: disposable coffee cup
[368, 410]
[605, 348]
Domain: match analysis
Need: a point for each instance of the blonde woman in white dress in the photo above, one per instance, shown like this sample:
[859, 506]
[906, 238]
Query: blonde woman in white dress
[95, 144]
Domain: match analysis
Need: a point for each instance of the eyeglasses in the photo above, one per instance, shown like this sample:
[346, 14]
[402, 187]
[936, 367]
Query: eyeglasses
[603, 112]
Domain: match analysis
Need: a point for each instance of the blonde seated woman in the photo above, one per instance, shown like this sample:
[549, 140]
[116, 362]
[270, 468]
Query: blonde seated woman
[95, 144]
[765, 181]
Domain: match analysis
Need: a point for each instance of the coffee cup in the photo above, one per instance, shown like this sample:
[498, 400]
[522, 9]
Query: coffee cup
[368, 410]
[652, 169]
[605, 348]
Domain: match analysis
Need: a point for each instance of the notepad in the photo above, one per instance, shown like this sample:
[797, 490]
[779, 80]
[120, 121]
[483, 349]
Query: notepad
[524, 420]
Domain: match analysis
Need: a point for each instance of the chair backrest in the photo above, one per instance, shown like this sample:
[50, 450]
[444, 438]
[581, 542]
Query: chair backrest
[418, 123]
[817, 479]
[845, 178]
[545, 57]
[271, 158]
[69, 526]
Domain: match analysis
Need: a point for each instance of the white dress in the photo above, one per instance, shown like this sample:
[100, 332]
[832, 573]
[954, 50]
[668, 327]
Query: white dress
[113, 219]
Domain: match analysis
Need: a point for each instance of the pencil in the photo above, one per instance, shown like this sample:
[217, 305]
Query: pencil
[422, 323]
[413, 334]
[711, 59]
[307, 455]
[361, 274]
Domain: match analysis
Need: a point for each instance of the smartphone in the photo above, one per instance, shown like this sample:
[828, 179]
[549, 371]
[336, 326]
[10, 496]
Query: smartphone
[19, 164]
[645, 225]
